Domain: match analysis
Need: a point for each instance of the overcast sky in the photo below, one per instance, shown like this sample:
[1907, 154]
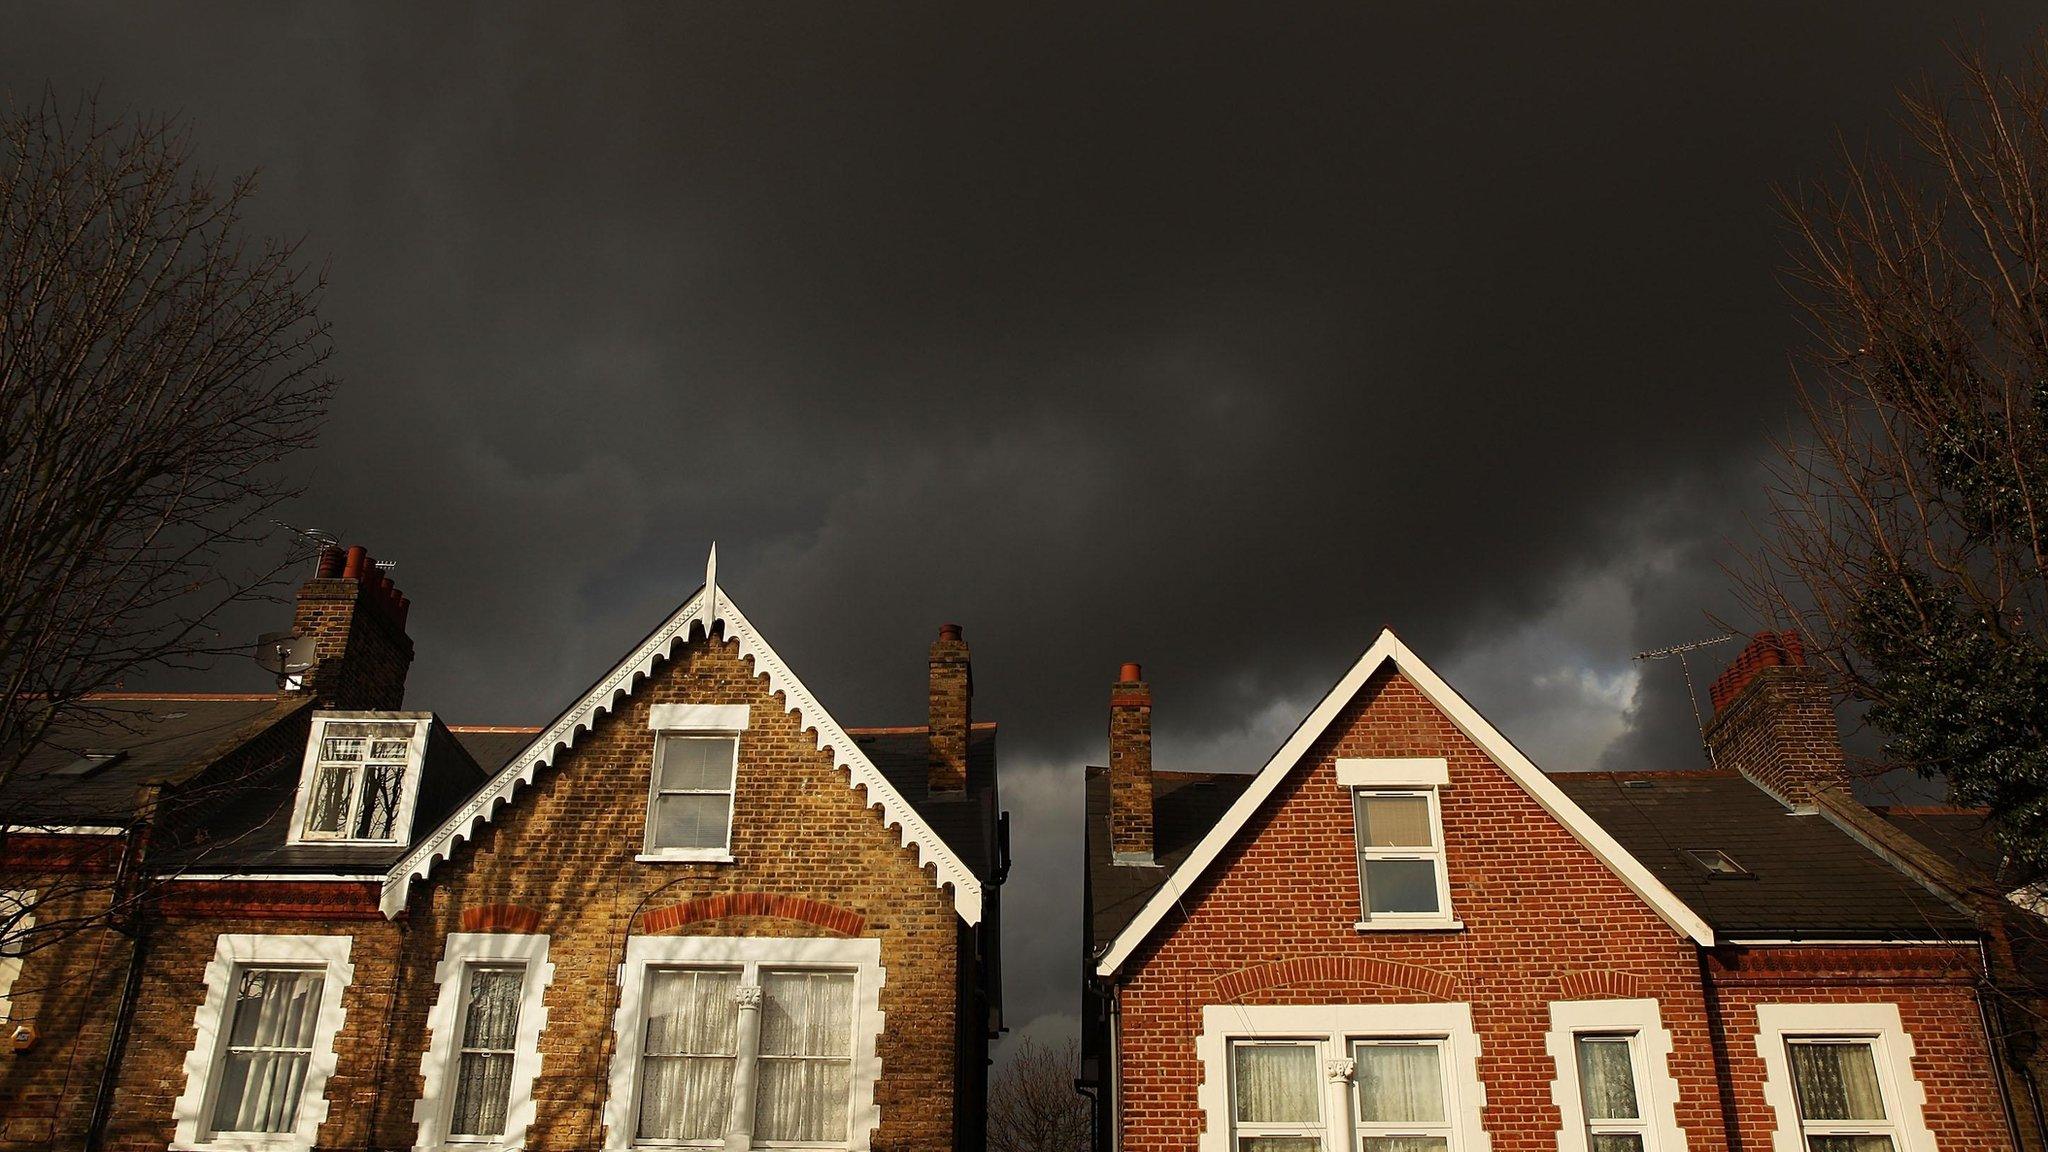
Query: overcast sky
[1211, 339]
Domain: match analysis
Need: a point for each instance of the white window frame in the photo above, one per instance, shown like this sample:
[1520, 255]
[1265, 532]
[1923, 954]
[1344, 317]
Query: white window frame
[233, 953]
[692, 721]
[1435, 853]
[465, 951]
[10, 966]
[1361, 1130]
[1315, 1128]
[408, 788]
[1650, 1057]
[1891, 1049]
[750, 954]
[1333, 1028]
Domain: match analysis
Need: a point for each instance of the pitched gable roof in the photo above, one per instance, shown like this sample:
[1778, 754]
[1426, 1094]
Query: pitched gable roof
[1388, 649]
[709, 607]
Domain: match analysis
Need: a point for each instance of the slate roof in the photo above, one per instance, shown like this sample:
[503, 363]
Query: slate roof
[158, 739]
[493, 747]
[1962, 836]
[1806, 877]
[1185, 805]
[966, 822]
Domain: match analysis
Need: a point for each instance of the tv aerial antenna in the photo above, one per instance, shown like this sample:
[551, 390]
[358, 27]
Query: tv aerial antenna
[1691, 694]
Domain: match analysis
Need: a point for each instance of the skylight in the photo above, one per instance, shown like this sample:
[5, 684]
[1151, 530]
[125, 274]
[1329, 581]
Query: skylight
[1716, 862]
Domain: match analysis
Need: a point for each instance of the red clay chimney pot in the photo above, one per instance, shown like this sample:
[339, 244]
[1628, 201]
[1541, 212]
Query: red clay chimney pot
[352, 567]
[1130, 673]
[949, 631]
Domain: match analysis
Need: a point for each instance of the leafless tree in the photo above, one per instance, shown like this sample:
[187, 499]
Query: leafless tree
[1907, 539]
[158, 367]
[1909, 529]
[1032, 1105]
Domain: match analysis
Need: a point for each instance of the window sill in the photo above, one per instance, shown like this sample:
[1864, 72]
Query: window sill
[1410, 925]
[686, 857]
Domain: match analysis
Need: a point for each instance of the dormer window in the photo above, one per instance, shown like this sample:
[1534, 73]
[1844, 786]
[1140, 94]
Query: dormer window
[361, 777]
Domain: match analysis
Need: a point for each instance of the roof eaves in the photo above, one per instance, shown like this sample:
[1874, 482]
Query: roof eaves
[1388, 648]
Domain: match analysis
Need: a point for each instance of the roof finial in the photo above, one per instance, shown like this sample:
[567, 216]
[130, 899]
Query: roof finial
[707, 610]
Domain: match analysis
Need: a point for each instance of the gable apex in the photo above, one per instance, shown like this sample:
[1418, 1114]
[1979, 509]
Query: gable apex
[1388, 650]
[707, 608]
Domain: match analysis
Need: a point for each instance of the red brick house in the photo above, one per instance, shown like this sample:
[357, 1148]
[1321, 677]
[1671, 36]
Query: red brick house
[1400, 935]
[692, 911]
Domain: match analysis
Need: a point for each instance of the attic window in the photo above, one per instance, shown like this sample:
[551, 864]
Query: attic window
[1716, 862]
[361, 777]
[87, 764]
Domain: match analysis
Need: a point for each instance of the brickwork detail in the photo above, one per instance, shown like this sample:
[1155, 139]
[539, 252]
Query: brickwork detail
[1130, 769]
[1599, 984]
[844, 921]
[951, 696]
[1774, 721]
[1336, 969]
[363, 651]
[501, 918]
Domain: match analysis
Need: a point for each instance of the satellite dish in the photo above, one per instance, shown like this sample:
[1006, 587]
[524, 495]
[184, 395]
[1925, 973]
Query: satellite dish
[284, 654]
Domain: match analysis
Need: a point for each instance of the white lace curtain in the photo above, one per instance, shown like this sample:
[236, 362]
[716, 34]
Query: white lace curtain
[692, 1043]
[490, 1032]
[806, 1057]
[1836, 1081]
[270, 1043]
[803, 1068]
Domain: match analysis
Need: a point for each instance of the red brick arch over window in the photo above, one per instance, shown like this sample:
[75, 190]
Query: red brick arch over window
[500, 918]
[1599, 985]
[829, 916]
[1336, 970]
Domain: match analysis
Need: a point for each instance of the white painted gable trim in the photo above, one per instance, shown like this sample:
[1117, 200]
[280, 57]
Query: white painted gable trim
[1388, 648]
[712, 604]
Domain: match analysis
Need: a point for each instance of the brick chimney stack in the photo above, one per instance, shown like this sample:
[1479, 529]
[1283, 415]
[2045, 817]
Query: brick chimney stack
[952, 707]
[1774, 721]
[355, 618]
[1130, 768]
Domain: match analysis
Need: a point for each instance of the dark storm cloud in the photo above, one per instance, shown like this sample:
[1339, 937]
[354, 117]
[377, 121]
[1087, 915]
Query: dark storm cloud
[1214, 339]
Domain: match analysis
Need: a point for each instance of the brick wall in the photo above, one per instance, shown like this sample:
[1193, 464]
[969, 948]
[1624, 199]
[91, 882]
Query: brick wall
[68, 994]
[1934, 989]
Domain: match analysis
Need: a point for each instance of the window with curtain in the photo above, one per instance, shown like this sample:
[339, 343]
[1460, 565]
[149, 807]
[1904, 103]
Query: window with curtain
[1276, 1091]
[806, 1053]
[689, 1050]
[690, 807]
[1398, 1096]
[708, 1028]
[488, 1045]
[358, 781]
[1840, 1094]
[1607, 1089]
[261, 1071]
[1400, 854]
